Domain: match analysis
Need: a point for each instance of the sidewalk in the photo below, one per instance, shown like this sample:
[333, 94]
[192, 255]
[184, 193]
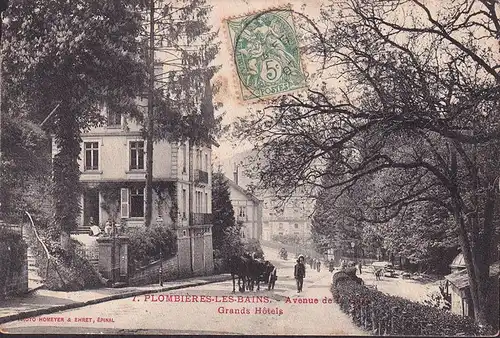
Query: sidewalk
[43, 301]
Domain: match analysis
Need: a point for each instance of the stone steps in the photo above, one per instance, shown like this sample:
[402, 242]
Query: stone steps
[81, 230]
[33, 271]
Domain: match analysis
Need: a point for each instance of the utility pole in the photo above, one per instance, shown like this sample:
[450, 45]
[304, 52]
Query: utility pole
[4, 4]
[150, 117]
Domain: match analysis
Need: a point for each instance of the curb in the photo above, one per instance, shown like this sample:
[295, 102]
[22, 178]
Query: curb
[58, 308]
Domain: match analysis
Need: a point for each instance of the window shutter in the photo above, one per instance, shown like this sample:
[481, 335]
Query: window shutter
[124, 203]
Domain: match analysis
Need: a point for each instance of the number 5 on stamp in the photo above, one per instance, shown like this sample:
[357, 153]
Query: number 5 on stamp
[266, 53]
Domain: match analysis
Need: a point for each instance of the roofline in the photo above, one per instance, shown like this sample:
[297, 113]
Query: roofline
[243, 191]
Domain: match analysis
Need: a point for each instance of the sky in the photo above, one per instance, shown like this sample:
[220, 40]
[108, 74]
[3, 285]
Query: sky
[228, 94]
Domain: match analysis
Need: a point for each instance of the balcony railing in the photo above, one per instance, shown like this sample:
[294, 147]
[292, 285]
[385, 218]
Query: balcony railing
[200, 219]
[201, 176]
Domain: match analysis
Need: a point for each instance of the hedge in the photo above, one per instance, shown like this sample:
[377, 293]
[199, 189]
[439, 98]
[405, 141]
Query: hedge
[150, 244]
[12, 251]
[384, 314]
[12, 255]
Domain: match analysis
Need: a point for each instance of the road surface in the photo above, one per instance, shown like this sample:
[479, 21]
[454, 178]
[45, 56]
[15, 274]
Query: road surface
[209, 309]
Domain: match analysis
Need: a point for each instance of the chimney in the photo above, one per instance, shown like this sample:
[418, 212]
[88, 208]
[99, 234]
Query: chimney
[235, 173]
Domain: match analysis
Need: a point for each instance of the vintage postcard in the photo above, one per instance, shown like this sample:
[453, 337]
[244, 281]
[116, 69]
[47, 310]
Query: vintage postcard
[250, 167]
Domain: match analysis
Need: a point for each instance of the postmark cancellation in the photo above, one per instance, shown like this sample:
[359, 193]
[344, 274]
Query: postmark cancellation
[266, 54]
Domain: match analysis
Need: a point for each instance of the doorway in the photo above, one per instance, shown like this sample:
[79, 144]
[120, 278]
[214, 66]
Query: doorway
[91, 207]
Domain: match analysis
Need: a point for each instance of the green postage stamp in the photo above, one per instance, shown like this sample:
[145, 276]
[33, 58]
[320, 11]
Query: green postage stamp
[266, 54]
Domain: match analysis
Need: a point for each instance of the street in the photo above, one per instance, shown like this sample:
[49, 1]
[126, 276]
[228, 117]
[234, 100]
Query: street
[209, 309]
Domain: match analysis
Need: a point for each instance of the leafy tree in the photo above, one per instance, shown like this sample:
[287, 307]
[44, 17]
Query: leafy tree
[226, 233]
[417, 101]
[69, 55]
[422, 232]
[180, 106]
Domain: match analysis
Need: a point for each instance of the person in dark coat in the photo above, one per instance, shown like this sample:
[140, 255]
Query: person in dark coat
[318, 265]
[300, 273]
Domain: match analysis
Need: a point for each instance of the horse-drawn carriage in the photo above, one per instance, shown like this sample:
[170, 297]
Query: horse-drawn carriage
[381, 269]
[250, 271]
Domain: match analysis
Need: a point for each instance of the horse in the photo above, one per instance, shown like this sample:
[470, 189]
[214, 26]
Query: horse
[378, 274]
[256, 269]
[239, 266]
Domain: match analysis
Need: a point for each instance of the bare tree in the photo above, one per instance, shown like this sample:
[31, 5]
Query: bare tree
[414, 93]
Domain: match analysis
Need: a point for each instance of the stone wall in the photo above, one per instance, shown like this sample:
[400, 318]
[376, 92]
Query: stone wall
[151, 273]
[13, 282]
[195, 240]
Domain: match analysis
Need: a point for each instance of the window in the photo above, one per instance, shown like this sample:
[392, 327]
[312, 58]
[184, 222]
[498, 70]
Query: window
[136, 202]
[206, 203]
[296, 226]
[184, 203]
[137, 155]
[280, 226]
[114, 118]
[198, 159]
[201, 201]
[242, 212]
[91, 155]
[206, 162]
[184, 158]
[198, 202]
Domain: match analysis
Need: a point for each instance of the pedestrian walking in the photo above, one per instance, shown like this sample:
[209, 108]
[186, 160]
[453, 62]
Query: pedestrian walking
[342, 264]
[359, 266]
[300, 273]
[332, 266]
[318, 265]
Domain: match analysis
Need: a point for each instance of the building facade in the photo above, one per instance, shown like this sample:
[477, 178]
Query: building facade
[291, 219]
[113, 174]
[247, 210]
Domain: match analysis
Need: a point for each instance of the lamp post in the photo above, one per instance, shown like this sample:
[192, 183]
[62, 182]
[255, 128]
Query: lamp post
[113, 252]
[160, 273]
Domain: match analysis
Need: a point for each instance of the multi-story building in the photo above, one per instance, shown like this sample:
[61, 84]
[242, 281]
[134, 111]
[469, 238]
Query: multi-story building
[247, 210]
[293, 218]
[113, 174]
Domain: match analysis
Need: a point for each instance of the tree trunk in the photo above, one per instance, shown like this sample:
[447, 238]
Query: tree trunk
[476, 247]
[66, 177]
[477, 261]
[150, 121]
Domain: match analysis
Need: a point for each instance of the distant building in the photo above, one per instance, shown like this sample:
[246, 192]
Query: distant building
[235, 168]
[294, 218]
[247, 210]
[459, 290]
